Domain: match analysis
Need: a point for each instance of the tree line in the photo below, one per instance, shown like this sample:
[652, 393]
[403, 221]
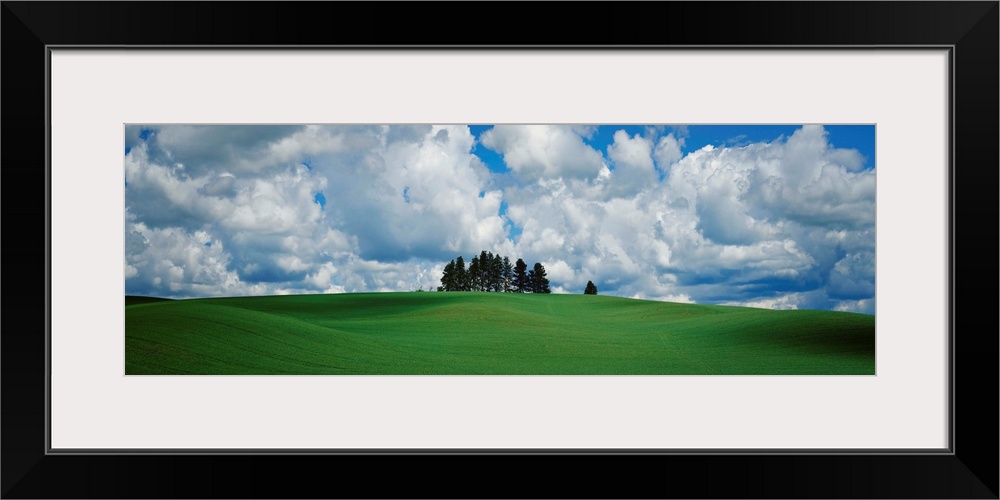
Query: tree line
[491, 273]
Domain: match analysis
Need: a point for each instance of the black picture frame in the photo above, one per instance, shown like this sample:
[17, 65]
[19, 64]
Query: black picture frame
[969, 28]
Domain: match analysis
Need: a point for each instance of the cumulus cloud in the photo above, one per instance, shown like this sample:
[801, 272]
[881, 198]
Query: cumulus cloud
[394, 196]
[668, 151]
[853, 277]
[202, 149]
[174, 262]
[633, 161]
[303, 209]
[544, 151]
[782, 224]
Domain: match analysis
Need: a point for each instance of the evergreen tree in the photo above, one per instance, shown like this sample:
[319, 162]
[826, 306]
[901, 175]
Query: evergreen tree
[521, 283]
[496, 273]
[507, 275]
[483, 278]
[487, 259]
[539, 283]
[461, 277]
[591, 288]
[475, 278]
[448, 277]
[488, 272]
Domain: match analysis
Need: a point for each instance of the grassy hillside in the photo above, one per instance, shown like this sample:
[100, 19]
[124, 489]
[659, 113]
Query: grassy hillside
[487, 333]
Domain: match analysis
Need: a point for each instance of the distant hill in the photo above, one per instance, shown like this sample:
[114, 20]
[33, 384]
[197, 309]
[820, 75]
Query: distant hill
[486, 333]
[131, 300]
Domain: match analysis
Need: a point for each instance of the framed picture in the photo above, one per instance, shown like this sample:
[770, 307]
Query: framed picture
[920, 78]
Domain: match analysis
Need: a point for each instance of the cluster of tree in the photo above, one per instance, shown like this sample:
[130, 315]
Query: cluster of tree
[492, 273]
[591, 289]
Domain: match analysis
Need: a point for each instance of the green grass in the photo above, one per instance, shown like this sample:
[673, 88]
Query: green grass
[487, 333]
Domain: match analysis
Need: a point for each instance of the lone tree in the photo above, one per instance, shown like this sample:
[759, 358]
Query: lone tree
[591, 289]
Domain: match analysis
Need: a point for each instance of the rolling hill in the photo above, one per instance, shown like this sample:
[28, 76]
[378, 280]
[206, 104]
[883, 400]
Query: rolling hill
[410, 333]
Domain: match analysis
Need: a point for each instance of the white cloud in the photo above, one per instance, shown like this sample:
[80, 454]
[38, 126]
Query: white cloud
[427, 197]
[173, 262]
[544, 151]
[633, 161]
[391, 194]
[866, 306]
[781, 224]
[723, 216]
[561, 272]
[668, 151]
[728, 216]
[789, 301]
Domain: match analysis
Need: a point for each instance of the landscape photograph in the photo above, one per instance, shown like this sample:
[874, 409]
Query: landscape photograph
[499, 249]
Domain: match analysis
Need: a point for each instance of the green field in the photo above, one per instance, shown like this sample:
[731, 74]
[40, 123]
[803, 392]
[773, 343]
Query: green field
[468, 333]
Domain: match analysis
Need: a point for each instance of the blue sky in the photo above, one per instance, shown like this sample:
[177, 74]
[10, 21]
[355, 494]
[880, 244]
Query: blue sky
[777, 216]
